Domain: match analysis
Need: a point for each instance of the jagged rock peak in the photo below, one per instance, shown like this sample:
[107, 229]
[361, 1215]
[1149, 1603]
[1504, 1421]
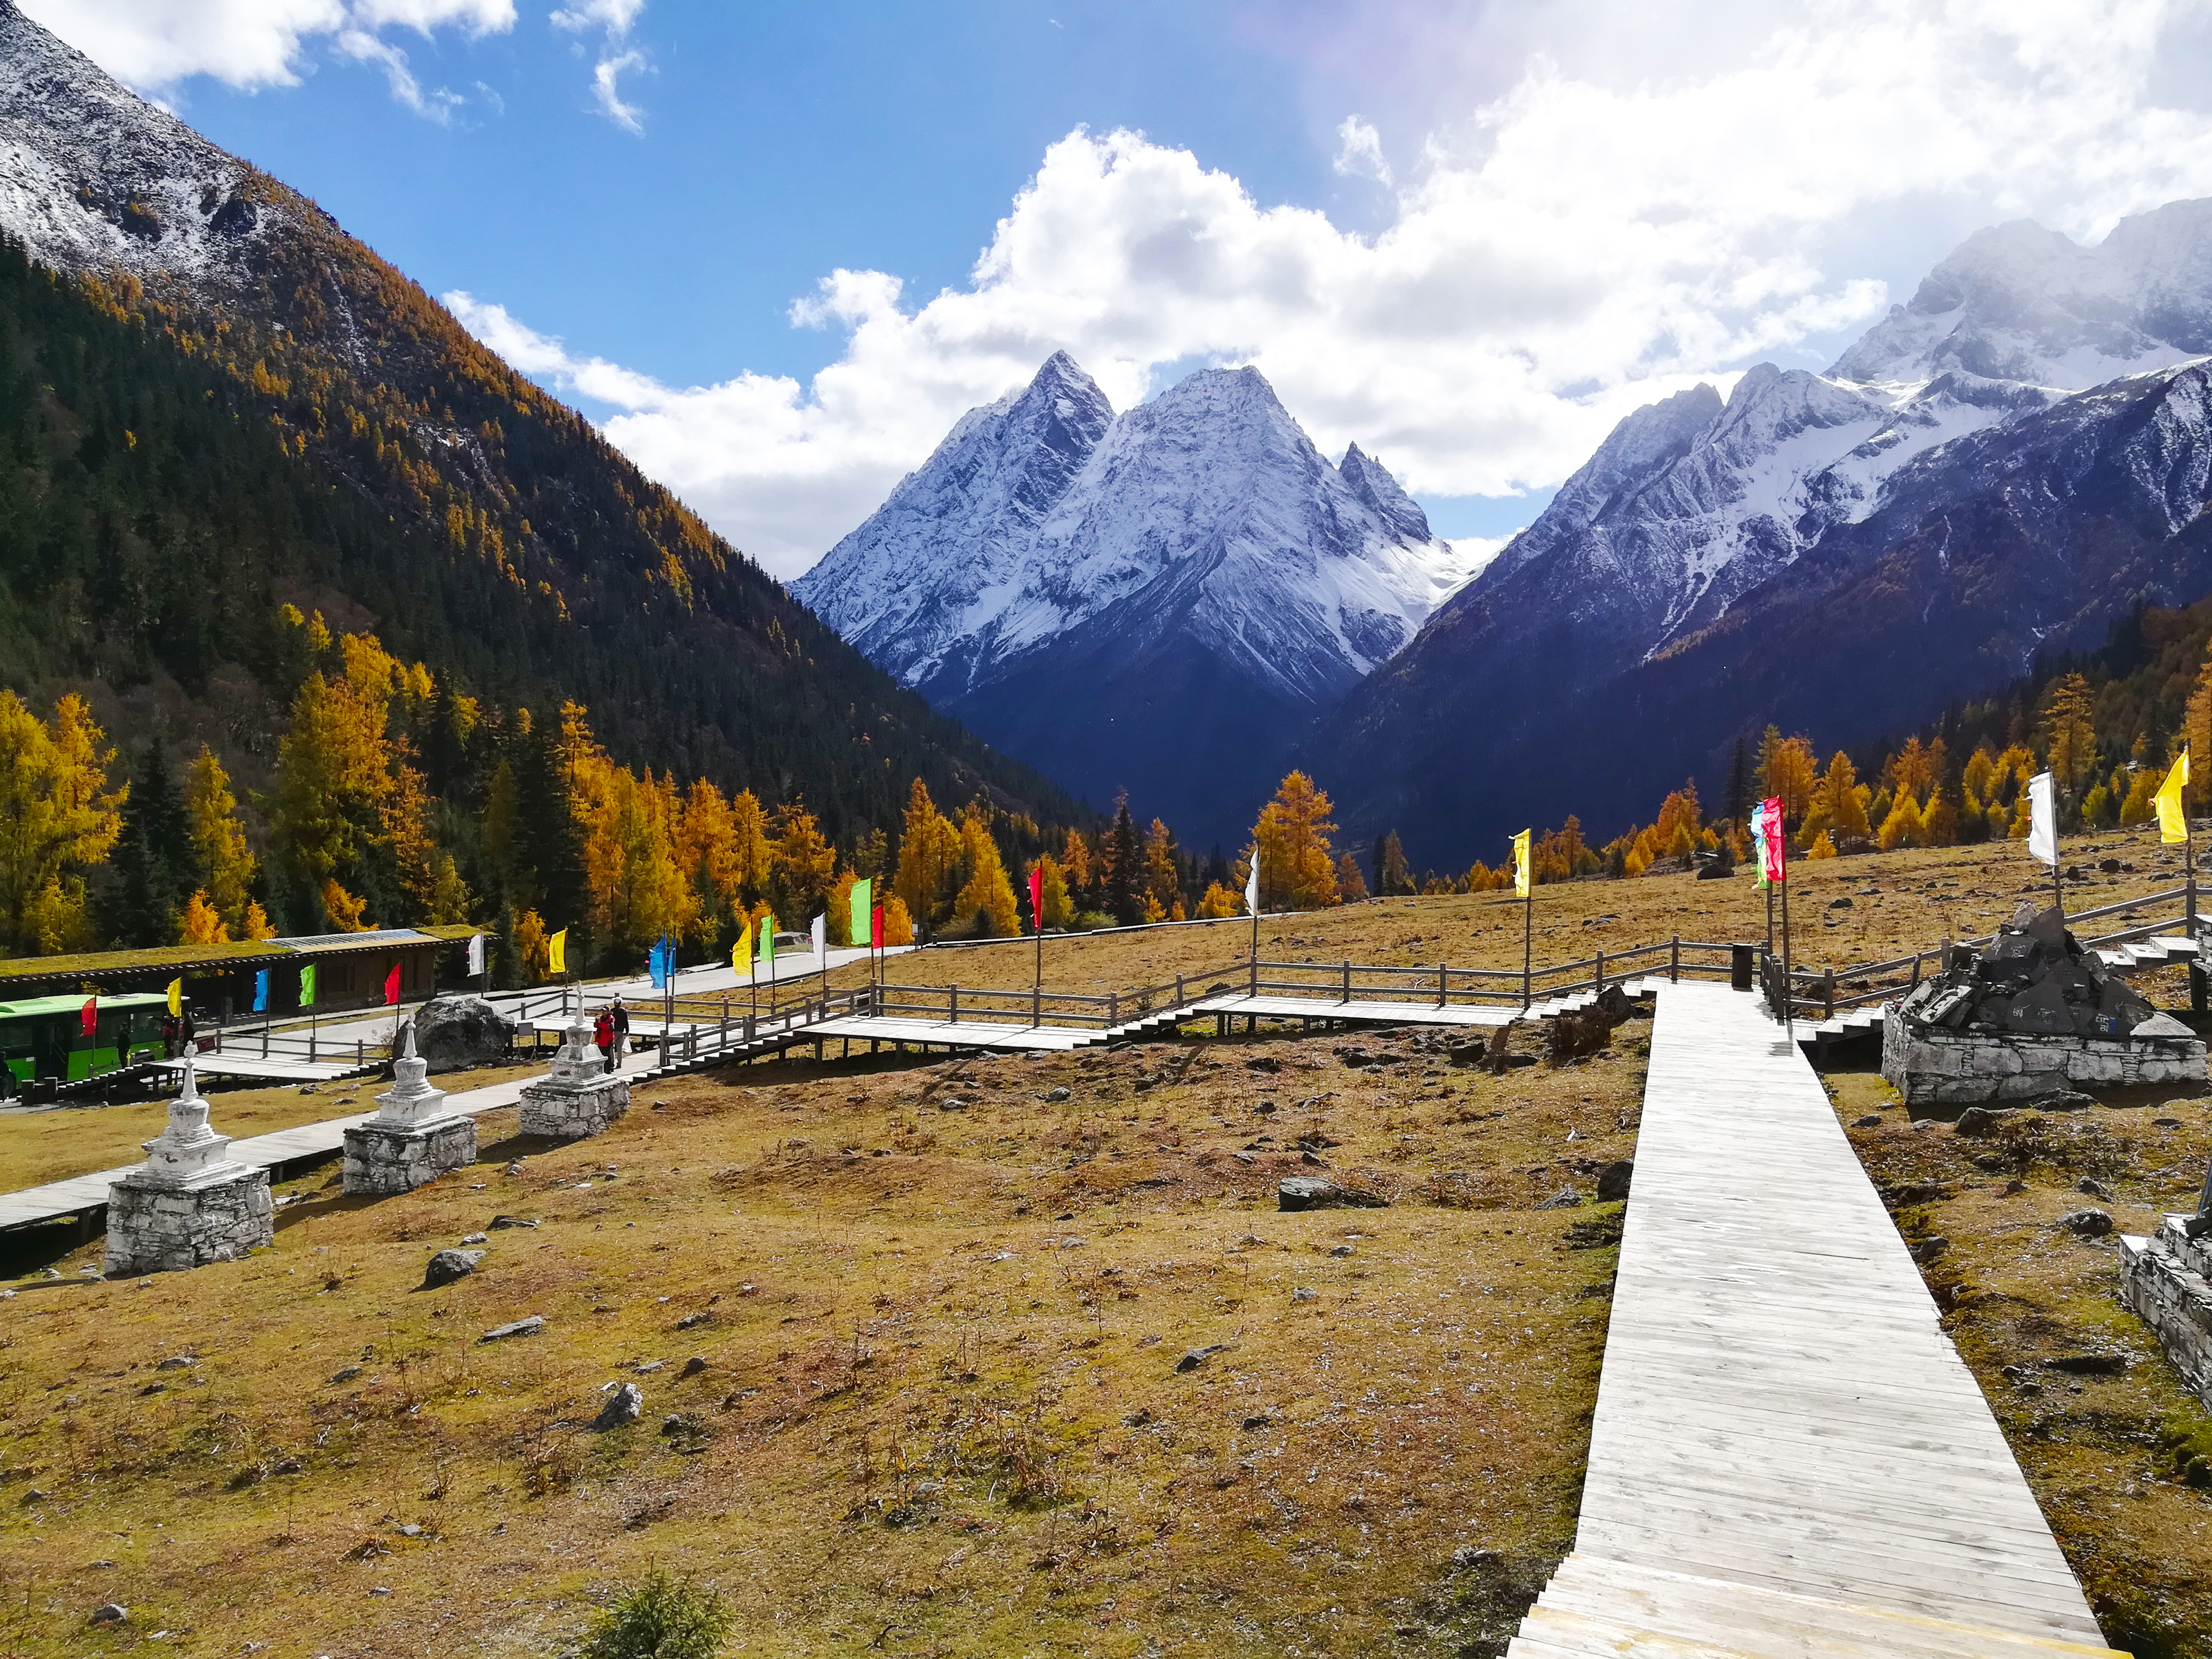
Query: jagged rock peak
[1372, 483]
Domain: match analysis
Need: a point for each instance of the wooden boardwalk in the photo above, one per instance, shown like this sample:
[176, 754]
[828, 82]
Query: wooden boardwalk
[1788, 1458]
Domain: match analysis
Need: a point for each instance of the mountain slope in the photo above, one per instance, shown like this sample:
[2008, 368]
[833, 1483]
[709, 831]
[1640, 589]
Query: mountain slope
[2000, 467]
[317, 430]
[1161, 599]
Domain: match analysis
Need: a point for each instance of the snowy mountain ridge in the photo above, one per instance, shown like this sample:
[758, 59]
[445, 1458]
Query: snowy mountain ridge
[1202, 525]
[94, 179]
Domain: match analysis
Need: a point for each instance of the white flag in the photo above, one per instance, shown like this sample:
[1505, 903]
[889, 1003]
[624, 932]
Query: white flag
[476, 953]
[2042, 820]
[821, 934]
[1252, 886]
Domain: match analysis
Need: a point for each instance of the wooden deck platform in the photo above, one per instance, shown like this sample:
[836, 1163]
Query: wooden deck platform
[1788, 1458]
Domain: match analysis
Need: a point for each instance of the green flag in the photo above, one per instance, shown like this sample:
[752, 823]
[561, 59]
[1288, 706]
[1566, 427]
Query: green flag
[767, 956]
[864, 897]
[307, 985]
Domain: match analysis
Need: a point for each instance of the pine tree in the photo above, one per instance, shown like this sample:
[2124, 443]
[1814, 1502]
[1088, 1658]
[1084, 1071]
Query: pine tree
[1393, 875]
[2069, 732]
[225, 866]
[1122, 878]
[153, 856]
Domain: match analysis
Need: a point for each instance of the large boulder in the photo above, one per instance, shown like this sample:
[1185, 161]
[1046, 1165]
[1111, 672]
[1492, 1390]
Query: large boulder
[453, 1034]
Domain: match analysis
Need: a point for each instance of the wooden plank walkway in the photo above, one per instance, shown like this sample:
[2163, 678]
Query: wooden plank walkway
[1787, 1457]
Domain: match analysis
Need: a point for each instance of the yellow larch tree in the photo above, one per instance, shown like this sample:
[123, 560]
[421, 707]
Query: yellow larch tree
[57, 817]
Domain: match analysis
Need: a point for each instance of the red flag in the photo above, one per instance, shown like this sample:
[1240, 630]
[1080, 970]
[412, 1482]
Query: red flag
[1772, 850]
[88, 1019]
[1036, 897]
[876, 928]
[392, 986]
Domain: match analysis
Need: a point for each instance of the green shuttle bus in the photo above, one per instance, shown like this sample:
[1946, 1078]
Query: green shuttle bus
[44, 1037]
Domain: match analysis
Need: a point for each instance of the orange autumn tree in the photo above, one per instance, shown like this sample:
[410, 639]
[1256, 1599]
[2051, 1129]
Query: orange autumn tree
[1297, 869]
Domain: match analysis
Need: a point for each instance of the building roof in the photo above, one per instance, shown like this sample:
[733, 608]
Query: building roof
[32, 1008]
[172, 958]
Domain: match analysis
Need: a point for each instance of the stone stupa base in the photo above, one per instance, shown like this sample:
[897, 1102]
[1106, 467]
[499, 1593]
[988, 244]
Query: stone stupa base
[154, 1228]
[382, 1159]
[562, 1110]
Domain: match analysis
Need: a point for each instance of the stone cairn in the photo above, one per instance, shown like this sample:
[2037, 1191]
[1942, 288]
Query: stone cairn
[581, 1097]
[2032, 1014]
[189, 1204]
[2166, 1278]
[413, 1138]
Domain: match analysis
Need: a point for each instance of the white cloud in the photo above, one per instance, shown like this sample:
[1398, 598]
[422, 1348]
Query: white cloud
[365, 48]
[1359, 151]
[608, 94]
[615, 16]
[1581, 243]
[159, 46]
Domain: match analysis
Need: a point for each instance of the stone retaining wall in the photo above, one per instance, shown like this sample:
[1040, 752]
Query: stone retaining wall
[571, 1111]
[2162, 1281]
[380, 1159]
[1933, 1064]
[154, 1229]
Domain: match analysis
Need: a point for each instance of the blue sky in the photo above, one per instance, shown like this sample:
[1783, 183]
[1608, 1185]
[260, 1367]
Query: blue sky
[1470, 236]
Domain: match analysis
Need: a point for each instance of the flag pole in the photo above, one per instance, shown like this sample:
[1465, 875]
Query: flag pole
[1037, 990]
[1528, 939]
[1788, 982]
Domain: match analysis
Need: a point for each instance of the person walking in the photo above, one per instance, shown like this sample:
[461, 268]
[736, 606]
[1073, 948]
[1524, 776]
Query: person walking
[603, 1033]
[620, 1015]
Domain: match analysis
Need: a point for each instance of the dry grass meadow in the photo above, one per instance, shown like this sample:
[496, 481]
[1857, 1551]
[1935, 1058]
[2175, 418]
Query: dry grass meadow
[1017, 1356]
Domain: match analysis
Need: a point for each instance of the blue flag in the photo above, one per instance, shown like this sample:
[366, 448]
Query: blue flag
[261, 991]
[661, 962]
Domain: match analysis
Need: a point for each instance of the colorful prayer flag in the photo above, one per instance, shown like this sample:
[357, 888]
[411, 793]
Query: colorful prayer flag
[2042, 819]
[476, 954]
[765, 929]
[864, 896]
[875, 929]
[1037, 897]
[2173, 822]
[1773, 850]
[392, 987]
[307, 985]
[261, 991]
[177, 995]
[556, 953]
[1252, 885]
[821, 933]
[1522, 873]
[744, 948]
[1758, 842]
[660, 963]
[88, 1018]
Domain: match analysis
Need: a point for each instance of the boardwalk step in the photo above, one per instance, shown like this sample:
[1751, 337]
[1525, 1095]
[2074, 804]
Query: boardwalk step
[1632, 1612]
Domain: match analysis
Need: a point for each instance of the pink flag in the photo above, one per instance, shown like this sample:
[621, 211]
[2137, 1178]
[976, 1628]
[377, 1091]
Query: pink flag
[1773, 857]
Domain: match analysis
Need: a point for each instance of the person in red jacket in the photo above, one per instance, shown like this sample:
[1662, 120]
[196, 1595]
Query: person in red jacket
[603, 1033]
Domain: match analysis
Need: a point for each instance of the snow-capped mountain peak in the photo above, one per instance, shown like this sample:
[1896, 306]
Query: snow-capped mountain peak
[1202, 527]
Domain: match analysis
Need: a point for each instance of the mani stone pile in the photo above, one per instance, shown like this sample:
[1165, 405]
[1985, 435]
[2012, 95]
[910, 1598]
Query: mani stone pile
[2031, 1014]
[2166, 1279]
[188, 1204]
[580, 1099]
[413, 1138]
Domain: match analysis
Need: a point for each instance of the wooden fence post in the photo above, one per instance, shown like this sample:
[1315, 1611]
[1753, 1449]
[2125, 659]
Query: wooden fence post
[1674, 961]
[956, 1004]
[1829, 993]
[1444, 988]
[1347, 980]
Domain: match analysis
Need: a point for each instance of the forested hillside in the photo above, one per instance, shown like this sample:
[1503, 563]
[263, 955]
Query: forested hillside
[183, 485]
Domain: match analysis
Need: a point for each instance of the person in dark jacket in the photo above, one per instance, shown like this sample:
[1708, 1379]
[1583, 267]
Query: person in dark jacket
[620, 1015]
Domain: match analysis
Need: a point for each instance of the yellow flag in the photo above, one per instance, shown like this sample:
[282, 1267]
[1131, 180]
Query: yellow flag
[177, 996]
[2172, 825]
[1521, 883]
[744, 947]
[556, 953]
